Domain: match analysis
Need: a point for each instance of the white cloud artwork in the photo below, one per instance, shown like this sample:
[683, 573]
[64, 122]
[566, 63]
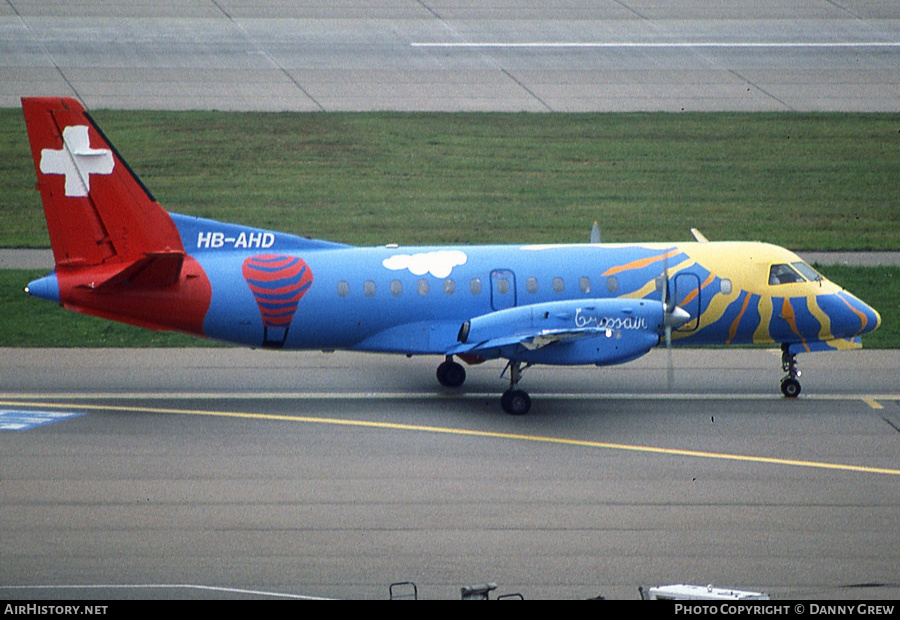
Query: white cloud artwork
[439, 264]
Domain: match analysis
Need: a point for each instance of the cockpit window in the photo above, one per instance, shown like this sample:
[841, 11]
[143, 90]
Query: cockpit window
[808, 272]
[784, 274]
[794, 272]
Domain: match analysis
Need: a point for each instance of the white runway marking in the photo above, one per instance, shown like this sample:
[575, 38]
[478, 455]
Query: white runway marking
[166, 586]
[661, 45]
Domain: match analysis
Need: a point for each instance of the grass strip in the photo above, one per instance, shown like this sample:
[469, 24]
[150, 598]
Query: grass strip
[803, 181]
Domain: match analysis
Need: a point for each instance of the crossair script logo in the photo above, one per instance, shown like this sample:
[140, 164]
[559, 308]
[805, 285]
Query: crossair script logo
[253, 240]
[584, 319]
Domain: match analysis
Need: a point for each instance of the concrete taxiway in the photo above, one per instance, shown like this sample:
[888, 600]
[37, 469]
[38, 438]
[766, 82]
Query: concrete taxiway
[208, 473]
[441, 55]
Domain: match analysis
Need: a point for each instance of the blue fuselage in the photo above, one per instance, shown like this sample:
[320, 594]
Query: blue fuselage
[415, 299]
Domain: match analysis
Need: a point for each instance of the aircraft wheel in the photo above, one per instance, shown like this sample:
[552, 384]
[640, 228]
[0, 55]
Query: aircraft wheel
[450, 374]
[515, 402]
[790, 388]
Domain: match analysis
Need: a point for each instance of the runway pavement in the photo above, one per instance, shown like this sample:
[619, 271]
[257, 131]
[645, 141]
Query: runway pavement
[447, 55]
[247, 474]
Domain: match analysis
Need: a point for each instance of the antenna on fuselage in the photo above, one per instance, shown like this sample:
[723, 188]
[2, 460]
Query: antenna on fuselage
[595, 233]
[699, 236]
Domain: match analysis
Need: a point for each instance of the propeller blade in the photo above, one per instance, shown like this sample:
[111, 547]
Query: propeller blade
[673, 317]
[667, 324]
[665, 290]
[670, 368]
[673, 320]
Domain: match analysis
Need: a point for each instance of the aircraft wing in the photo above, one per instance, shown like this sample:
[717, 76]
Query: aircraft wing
[530, 341]
[590, 331]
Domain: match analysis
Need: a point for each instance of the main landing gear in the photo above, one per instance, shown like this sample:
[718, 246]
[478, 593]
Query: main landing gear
[451, 374]
[790, 386]
[514, 401]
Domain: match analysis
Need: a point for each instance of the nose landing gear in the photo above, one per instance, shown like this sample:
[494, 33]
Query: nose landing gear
[790, 386]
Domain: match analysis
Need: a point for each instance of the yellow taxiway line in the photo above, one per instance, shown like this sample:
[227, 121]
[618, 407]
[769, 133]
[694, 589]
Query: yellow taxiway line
[457, 431]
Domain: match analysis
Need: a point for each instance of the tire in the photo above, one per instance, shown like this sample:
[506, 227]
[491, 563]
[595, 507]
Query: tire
[515, 402]
[790, 388]
[451, 374]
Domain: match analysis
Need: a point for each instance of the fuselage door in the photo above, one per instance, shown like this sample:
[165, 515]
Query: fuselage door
[687, 296]
[503, 289]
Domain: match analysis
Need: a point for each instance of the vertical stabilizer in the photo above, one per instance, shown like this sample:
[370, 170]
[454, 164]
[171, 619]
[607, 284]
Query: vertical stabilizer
[97, 210]
[118, 253]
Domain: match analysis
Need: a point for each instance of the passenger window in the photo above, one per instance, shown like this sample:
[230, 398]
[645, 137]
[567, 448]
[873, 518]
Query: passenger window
[422, 287]
[725, 286]
[369, 288]
[559, 285]
[784, 274]
[584, 285]
[343, 288]
[612, 284]
[475, 286]
[531, 285]
[449, 286]
[396, 288]
[503, 286]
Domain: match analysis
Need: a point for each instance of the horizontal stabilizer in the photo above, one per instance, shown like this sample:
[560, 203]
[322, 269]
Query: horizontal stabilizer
[156, 270]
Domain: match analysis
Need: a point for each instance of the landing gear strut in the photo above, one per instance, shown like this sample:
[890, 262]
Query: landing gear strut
[790, 386]
[451, 374]
[515, 401]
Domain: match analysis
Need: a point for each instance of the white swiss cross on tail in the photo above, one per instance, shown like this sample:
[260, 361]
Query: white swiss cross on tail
[77, 160]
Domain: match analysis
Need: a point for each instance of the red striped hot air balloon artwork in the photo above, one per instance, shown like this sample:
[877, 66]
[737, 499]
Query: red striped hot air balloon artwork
[277, 282]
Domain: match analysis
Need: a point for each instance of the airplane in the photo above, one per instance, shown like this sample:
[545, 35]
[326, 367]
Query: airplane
[121, 256]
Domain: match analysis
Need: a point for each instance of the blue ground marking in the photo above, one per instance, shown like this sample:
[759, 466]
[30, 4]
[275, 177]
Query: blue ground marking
[24, 420]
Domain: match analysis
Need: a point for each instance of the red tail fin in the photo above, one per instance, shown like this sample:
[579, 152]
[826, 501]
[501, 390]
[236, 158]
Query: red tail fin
[98, 211]
[118, 253]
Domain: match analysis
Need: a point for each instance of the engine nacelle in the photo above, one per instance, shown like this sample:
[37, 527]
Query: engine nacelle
[587, 331]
